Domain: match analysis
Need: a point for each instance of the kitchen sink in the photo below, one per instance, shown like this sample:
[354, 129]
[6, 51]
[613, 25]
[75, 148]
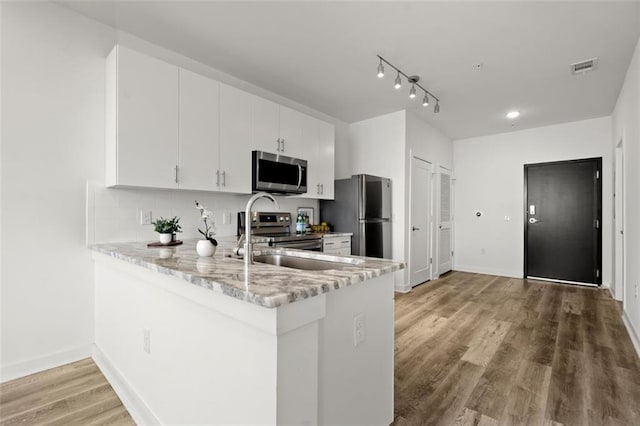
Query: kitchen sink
[305, 263]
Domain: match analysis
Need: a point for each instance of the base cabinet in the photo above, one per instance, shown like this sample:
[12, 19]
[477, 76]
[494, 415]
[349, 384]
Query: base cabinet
[177, 353]
[338, 245]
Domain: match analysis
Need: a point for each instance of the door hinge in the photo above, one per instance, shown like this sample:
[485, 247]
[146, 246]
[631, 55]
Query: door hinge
[596, 224]
[597, 174]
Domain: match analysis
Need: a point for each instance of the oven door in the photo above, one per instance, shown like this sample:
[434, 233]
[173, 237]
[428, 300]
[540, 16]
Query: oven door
[278, 173]
[312, 245]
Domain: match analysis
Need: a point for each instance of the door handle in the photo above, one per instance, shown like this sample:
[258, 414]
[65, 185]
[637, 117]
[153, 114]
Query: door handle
[217, 177]
[299, 173]
[224, 178]
[413, 228]
[533, 220]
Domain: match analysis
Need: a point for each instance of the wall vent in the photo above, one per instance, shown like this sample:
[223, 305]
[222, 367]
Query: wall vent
[584, 66]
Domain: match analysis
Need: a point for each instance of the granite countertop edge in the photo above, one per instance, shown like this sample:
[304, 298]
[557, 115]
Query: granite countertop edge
[266, 285]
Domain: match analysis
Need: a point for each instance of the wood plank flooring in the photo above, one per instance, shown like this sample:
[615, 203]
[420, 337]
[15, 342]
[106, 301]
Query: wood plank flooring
[470, 350]
[74, 394]
[484, 350]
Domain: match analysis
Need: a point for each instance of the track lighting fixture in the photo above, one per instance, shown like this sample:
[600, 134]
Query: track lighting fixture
[414, 80]
[412, 91]
[380, 69]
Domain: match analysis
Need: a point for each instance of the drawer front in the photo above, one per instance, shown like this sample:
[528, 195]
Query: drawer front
[345, 251]
[335, 243]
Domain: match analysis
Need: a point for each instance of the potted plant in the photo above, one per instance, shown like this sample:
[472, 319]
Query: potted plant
[167, 229]
[206, 247]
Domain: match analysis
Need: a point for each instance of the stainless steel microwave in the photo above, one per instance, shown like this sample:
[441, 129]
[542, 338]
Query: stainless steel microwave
[278, 174]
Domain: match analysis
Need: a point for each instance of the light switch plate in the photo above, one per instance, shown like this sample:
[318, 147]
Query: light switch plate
[146, 217]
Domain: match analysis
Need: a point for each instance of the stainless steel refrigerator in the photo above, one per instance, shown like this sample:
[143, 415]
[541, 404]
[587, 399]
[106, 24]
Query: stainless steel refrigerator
[362, 205]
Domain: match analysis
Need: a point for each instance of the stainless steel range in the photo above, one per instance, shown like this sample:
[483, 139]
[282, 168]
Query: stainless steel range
[275, 228]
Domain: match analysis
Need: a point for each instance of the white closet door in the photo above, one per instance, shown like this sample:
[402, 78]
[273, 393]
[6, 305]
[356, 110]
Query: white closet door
[445, 246]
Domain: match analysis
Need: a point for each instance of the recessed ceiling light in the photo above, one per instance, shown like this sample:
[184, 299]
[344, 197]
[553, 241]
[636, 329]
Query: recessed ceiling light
[513, 114]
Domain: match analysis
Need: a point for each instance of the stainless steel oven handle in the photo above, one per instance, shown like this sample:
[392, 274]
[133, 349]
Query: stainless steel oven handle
[299, 175]
[303, 245]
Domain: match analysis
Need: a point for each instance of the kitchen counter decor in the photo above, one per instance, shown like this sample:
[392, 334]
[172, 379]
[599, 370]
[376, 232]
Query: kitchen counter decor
[206, 247]
[167, 228]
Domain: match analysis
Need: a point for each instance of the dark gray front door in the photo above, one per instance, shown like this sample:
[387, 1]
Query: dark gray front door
[563, 221]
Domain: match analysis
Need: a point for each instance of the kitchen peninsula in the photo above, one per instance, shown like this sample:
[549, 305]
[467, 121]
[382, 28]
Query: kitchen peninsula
[194, 340]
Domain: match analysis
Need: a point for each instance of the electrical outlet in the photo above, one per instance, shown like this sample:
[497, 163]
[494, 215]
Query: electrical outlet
[507, 219]
[358, 329]
[146, 340]
[146, 217]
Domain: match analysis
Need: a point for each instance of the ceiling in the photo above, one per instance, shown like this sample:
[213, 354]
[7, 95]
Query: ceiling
[323, 54]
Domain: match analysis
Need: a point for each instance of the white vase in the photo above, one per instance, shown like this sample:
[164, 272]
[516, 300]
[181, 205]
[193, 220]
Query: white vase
[205, 248]
[165, 238]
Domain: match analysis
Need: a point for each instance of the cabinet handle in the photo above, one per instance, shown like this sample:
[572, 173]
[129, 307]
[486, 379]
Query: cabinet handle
[278, 144]
[176, 176]
[224, 178]
[318, 189]
[322, 189]
[328, 244]
[217, 177]
[282, 145]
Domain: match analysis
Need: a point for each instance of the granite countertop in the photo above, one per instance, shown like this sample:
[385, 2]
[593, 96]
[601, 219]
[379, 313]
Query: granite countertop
[262, 284]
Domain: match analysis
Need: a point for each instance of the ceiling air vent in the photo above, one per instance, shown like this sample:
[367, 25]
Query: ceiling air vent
[584, 66]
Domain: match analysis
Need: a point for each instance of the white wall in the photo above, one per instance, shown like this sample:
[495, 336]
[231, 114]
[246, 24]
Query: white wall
[626, 126]
[489, 177]
[377, 147]
[53, 66]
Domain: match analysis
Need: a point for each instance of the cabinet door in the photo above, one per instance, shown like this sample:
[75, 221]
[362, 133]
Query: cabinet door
[235, 140]
[265, 125]
[199, 132]
[325, 159]
[319, 138]
[291, 133]
[147, 135]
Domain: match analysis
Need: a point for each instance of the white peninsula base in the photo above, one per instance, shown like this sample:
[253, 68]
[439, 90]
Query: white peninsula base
[177, 353]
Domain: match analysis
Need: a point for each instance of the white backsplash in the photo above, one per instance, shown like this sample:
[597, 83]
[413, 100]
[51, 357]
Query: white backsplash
[113, 214]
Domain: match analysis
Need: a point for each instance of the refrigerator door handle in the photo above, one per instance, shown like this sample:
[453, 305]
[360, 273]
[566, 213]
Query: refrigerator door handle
[363, 239]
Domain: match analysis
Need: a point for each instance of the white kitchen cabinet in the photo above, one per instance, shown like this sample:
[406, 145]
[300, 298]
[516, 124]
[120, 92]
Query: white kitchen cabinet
[235, 137]
[336, 244]
[141, 120]
[321, 141]
[265, 125]
[292, 135]
[198, 144]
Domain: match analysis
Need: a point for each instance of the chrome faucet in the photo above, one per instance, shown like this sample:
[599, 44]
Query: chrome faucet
[248, 244]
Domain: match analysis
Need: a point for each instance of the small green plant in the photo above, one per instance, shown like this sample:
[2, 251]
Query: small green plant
[167, 226]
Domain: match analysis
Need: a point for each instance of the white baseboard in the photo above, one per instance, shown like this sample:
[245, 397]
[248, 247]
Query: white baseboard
[402, 288]
[488, 271]
[137, 408]
[36, 365]
[635, 337]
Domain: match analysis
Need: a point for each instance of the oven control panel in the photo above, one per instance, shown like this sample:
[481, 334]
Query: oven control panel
[265, 220]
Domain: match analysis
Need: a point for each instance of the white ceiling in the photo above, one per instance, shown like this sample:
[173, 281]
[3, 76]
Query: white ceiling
[323, 54]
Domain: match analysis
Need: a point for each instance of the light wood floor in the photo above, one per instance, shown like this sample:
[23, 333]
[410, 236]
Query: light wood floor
[470, 349]
[74, 394]
[479, 349]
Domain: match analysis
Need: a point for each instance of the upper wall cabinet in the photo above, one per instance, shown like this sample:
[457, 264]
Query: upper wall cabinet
[141, 120]
[235, 137]
[168, 127]
[198, 143]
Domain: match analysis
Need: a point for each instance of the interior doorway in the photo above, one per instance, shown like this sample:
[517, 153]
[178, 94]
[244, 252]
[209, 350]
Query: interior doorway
[563, 221]
[618, 217]
[420, 258]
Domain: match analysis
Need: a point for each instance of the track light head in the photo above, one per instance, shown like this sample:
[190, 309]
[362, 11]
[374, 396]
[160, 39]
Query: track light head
[380, 69]
[436, 108]
[398, 82]
[425, 100]
[412, 92]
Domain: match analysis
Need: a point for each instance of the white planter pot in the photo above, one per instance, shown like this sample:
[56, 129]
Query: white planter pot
[165, 238]
[205, 248]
